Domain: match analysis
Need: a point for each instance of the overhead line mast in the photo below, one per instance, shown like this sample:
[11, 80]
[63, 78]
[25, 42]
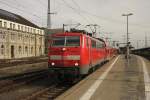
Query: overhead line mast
[146, 40]
[49, 25]
[48, 16]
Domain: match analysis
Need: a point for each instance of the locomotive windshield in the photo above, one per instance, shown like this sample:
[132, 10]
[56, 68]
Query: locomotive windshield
[66, 41]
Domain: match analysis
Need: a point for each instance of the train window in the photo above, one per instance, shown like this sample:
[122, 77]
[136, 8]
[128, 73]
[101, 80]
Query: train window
[87, 43]
[59, 41]
[93, 44]
[99, 44]
[72, 41]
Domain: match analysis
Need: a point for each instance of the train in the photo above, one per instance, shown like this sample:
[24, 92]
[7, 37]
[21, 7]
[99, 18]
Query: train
[76, 53]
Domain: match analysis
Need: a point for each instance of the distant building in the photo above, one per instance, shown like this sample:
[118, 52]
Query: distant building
[19, 37]
[48, 32]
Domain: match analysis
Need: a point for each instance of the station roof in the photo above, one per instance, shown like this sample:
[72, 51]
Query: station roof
[15, 18]
[147, 48]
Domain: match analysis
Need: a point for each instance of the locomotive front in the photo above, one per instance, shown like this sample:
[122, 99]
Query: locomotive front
[64, 53]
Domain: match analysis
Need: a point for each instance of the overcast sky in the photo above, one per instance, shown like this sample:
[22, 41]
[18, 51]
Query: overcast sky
[106, 13]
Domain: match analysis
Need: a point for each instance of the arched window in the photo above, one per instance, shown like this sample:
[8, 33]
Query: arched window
[14, 26]
[2, 49]
[40, 50]
[25, 29]
[40, 40]
[22, 28]
[19, 49]
[10, 25]
[31, 50]
[0, 23]
[18, 27]
[5, 24]
[26, 49]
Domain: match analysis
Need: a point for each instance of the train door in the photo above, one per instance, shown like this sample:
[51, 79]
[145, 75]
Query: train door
[89, 51]
[12, 51]
[105, 51]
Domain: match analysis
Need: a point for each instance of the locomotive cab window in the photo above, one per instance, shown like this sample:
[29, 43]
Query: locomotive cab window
[72, 41]
[104, 44]
[58, 41]
[66, 41]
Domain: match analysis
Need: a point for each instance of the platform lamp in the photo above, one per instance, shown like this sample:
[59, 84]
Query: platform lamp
[127, 53]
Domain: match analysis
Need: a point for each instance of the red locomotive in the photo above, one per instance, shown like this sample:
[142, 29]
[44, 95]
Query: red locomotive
[76, 53]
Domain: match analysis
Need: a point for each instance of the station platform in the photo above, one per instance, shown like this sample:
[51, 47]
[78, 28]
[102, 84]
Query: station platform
[118, 79]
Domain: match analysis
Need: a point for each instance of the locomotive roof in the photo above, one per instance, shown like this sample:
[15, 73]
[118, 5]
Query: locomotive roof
[76, 34]
[67, 33]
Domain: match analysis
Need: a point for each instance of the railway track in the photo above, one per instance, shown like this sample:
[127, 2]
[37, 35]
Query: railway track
[9, 83]
[52, 91]
[10, 62]
[48, 90]
[22, 75]
[48, 93]
[33, 82]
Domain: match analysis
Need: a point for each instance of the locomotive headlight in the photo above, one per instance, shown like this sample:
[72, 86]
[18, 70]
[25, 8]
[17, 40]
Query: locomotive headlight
[52, 63]
[63, 49]
[76, 64]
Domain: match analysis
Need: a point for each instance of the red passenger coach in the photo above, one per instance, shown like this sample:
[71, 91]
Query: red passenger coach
[111, 52]
[75, 53]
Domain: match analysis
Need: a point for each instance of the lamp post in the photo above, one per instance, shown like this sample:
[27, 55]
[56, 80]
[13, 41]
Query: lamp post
[127, 53]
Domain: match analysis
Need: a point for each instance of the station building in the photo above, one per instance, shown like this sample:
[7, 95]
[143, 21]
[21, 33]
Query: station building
[19, 37]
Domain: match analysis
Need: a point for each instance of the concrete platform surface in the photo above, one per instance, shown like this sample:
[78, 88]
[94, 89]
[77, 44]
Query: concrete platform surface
[117, 80]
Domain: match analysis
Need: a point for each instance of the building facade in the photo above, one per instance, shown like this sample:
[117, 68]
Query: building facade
[19, 38]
